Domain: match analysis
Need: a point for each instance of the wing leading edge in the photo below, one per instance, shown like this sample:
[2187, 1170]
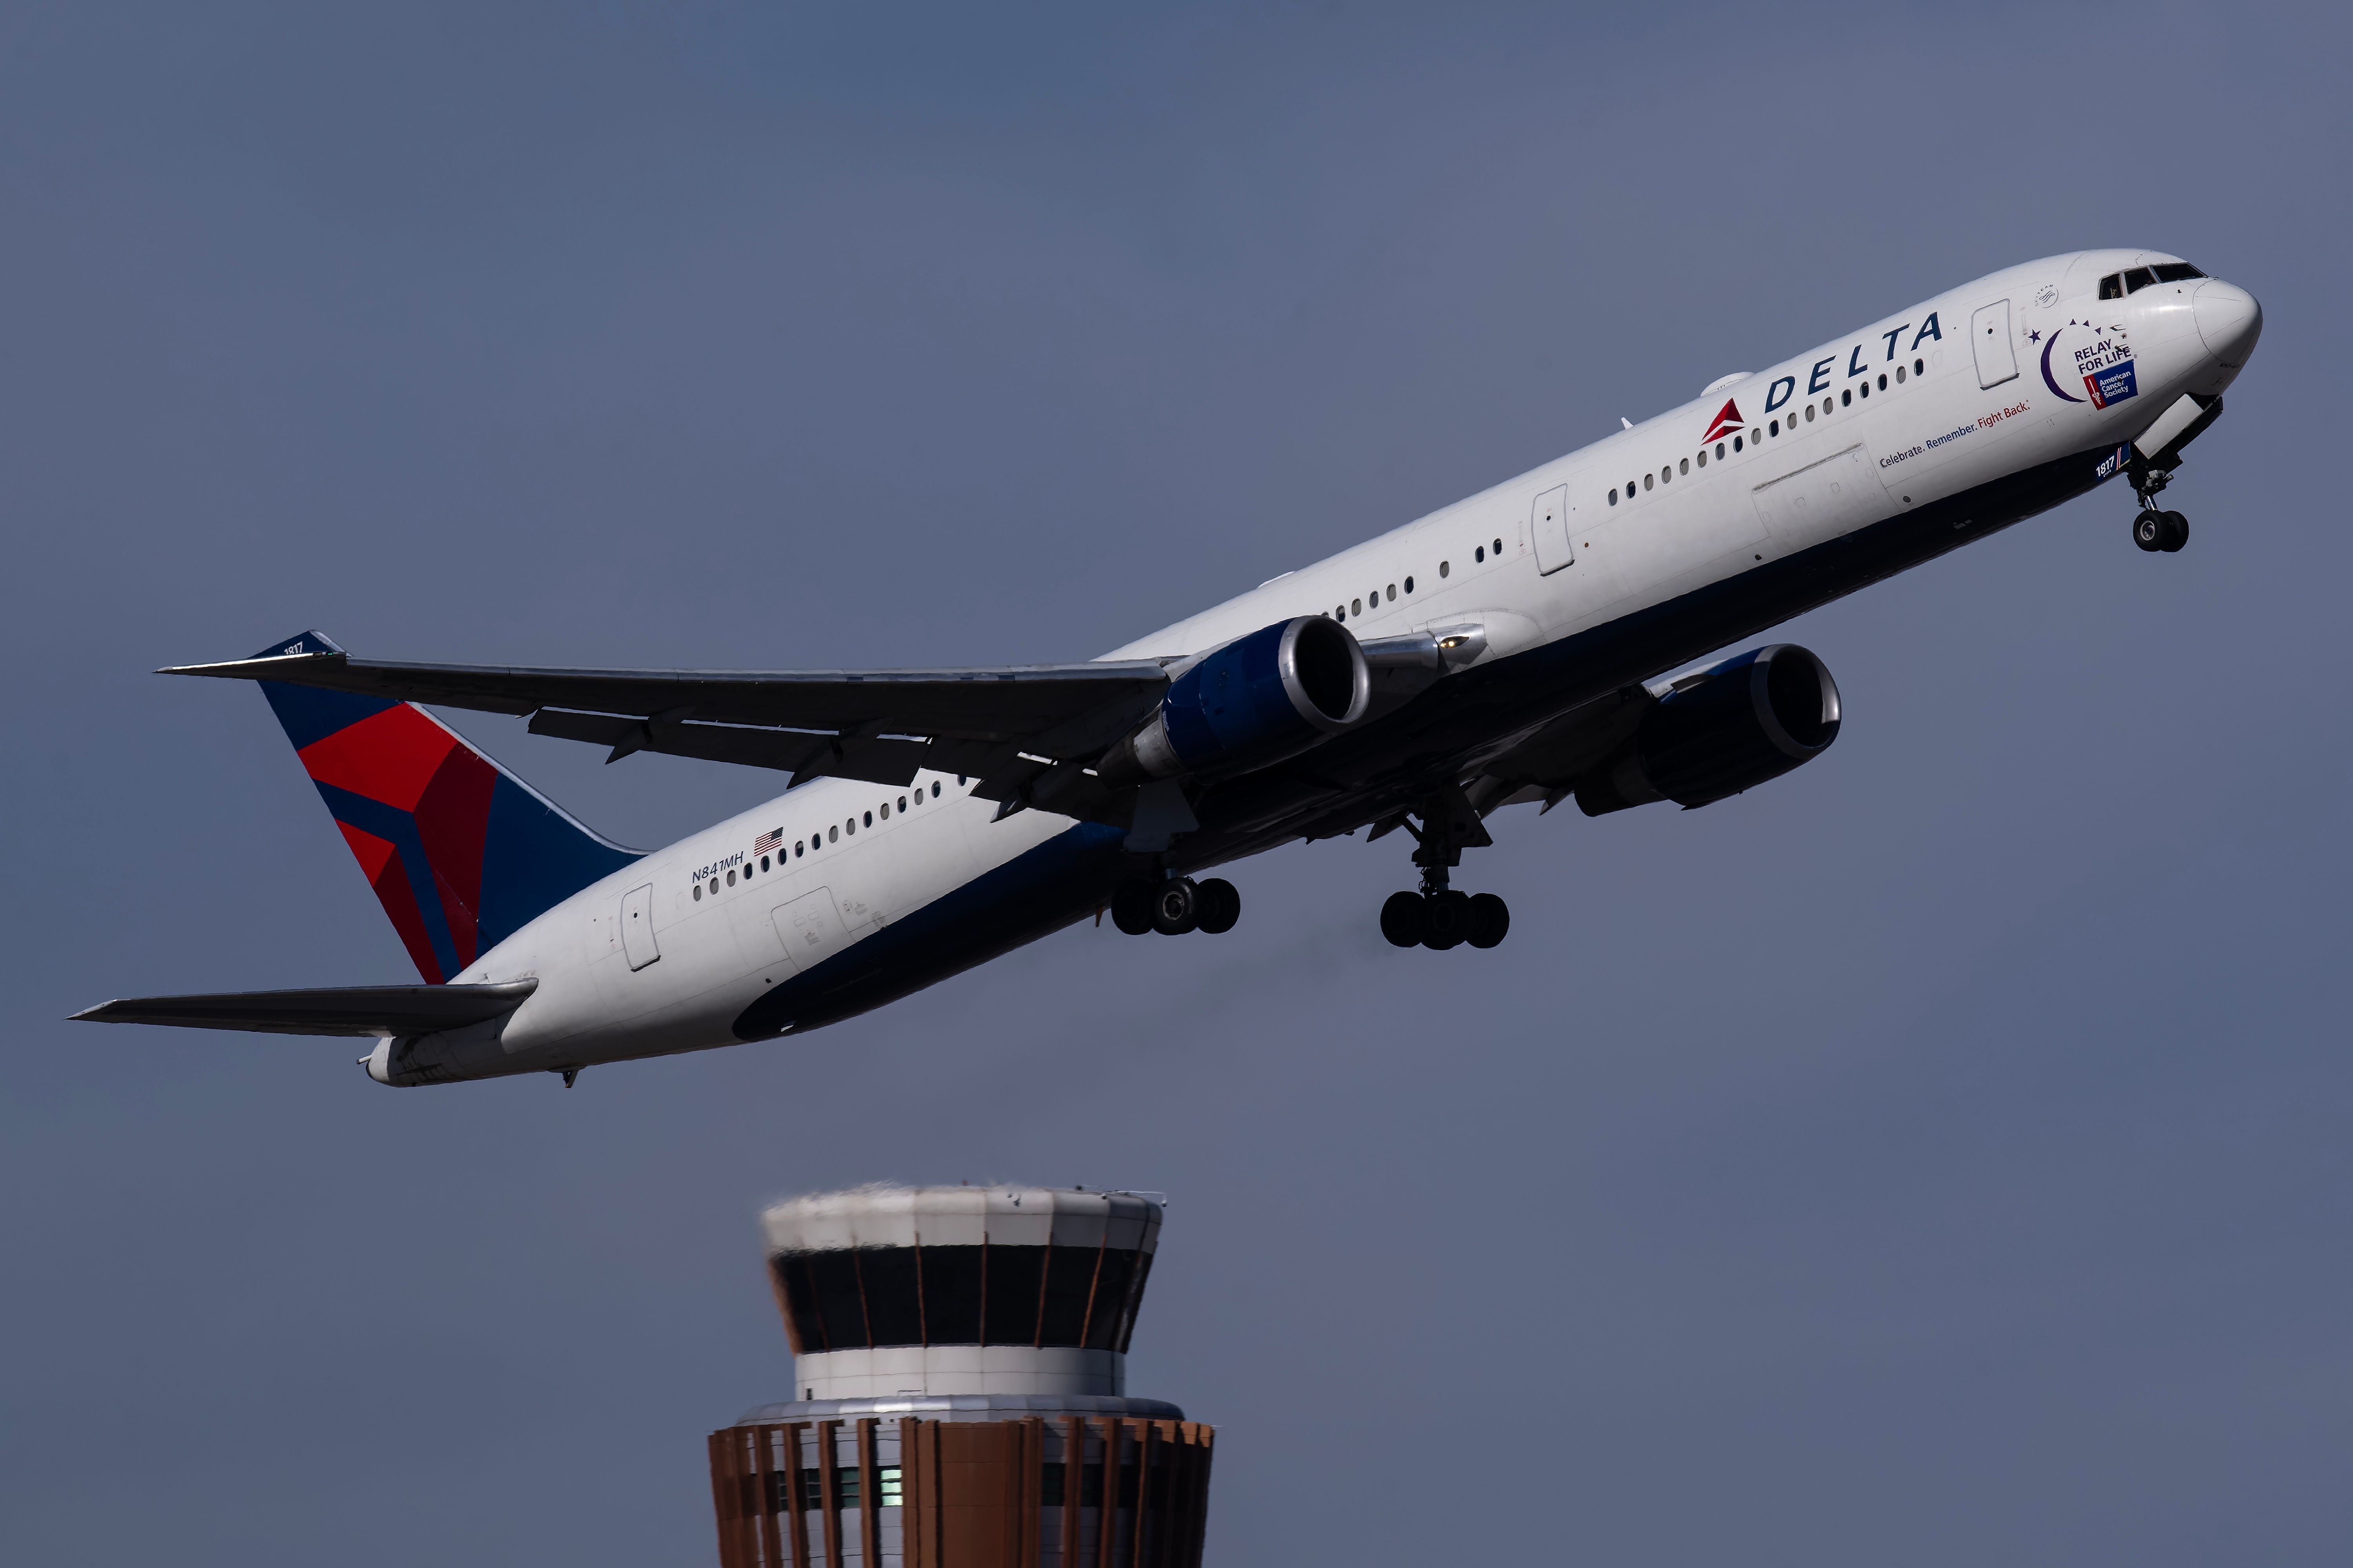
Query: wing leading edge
[1003, 725]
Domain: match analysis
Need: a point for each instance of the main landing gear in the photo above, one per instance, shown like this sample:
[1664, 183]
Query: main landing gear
[1438, 916]
[1175, 906]
[2155, 530]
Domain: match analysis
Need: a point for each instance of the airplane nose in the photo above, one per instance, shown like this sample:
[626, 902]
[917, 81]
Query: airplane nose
[2229, 321]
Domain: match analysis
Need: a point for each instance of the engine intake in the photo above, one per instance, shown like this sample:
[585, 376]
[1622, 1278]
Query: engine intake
[1729, 729]
[1256, 701]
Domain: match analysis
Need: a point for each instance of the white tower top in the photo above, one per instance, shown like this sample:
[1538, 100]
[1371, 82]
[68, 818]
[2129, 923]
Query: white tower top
[924, 1298]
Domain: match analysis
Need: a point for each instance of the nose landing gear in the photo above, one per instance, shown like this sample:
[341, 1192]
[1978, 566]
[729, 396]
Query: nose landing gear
[2167, 530]
[2155, 530]
[1439, 917]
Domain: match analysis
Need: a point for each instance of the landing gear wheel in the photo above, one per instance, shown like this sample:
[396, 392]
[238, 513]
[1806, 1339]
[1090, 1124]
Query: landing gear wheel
[1446, 919]
[1176, 907]
[1402, 919]
[1131, 905]
[1222, 905]
[2176, 531]
[2149, 531]
[1491, 918]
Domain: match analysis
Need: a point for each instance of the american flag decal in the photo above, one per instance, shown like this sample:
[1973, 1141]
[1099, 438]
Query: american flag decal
[767, 841]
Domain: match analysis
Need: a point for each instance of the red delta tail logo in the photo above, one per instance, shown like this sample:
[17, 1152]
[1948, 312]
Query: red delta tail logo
[1727, 420]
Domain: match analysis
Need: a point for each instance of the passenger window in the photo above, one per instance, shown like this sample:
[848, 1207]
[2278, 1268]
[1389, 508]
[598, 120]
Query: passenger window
[1479, 554]
[1443, 568]
[1667, 474]
[833, 835]
[764, 862]
[1846, 398]
[1499, 547]
[869, 819]
[1392, 593]
[1899, 373]
[1703, 457]
[903, 800]
[1810, 414]
[1719, 451]
[797, 849]
[2138, 278]
[1357, 606]
[2112, 287]
[1408, 584]
[698, 892]
[715, 887]
[935, 787]
[1919, 365]
[1613, 496]
[1775, 430]
[731, 878]
[1684, 466]
[886, 811]
[1648, 482]
[1883, 383]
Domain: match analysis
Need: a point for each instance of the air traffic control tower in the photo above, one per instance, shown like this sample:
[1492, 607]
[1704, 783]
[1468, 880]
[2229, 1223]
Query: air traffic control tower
[960, 1356]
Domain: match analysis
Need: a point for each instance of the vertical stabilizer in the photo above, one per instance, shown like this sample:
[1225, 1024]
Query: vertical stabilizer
[460, 852]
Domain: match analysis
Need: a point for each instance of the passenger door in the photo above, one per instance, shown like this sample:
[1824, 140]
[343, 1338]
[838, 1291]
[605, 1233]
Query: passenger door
[1989, 335]
[1549, 524]
[637, 927]
[811, 929]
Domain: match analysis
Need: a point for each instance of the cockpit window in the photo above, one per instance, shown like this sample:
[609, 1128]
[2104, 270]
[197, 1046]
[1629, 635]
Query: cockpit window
[2112, 287]
[2138, 278]
[2177, 272]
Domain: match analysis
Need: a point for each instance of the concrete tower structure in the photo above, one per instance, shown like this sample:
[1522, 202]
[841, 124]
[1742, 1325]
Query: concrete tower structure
[960, 1356]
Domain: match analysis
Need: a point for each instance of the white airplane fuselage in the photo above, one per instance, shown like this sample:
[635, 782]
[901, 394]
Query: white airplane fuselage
[1764, 497]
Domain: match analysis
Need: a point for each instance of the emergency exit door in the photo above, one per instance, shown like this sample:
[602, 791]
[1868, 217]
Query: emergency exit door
[637, 927]
[1989, 335]
[1550, 526]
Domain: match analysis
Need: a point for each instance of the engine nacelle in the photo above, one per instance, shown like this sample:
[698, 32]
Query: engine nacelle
[1735, 725]
[1256, 701]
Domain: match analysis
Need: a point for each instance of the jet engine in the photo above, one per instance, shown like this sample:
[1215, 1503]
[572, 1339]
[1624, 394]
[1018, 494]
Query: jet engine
[1727, 729]
[1256, 701]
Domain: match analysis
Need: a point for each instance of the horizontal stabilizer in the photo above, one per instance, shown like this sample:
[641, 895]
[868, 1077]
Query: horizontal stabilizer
[377, 1011]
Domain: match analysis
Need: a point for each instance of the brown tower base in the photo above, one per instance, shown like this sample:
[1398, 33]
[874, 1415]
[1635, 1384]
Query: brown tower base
[909, 1492]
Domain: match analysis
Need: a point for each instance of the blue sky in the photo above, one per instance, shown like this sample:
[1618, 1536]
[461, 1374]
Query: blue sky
[1936, 1156]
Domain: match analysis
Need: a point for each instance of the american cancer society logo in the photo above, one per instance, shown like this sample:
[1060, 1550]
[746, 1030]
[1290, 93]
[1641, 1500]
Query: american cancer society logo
[2098, 358]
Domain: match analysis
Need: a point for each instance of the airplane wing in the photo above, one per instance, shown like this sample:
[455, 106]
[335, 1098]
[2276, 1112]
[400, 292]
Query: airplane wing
[999, 724]
[380, 1010]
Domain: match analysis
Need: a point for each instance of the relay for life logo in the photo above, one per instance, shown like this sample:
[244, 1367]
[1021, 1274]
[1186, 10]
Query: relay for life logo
[2098, 359]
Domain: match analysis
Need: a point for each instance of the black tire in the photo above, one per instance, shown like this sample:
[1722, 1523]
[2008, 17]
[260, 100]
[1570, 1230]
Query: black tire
[2176, 532]
[1491, 920]
[1221, 906]
[1131, 906]
[1401, 920]
[2148, 531]
[1446, 920]
[1176, 907]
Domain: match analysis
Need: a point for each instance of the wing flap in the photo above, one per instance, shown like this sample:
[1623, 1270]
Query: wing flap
[355, 1011]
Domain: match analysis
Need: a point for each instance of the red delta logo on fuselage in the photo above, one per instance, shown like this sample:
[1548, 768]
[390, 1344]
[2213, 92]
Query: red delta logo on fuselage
[1727, 421]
